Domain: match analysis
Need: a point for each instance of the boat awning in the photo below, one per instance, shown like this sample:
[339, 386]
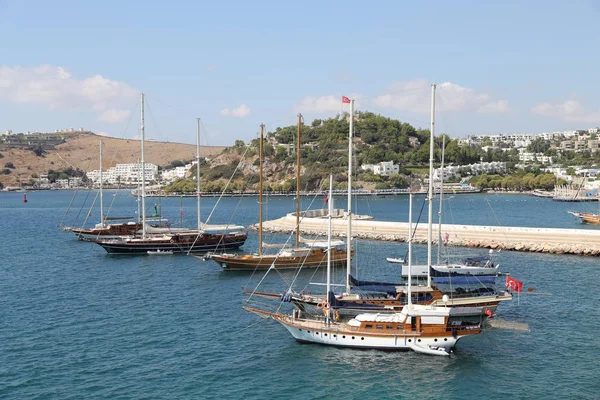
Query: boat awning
[222, 228]
[322, 243]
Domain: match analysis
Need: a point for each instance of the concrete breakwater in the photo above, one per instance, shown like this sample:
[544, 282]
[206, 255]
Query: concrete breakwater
[541, 240]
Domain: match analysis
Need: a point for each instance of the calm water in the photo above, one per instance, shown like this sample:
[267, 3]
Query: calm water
[77, 323]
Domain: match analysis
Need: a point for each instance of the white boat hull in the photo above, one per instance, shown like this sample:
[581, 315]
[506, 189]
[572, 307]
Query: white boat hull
[362, 341]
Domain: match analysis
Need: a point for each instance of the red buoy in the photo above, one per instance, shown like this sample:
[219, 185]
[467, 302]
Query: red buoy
[24, 198]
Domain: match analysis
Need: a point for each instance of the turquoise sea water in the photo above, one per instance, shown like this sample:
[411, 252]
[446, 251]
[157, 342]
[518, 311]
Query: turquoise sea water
[78, 323]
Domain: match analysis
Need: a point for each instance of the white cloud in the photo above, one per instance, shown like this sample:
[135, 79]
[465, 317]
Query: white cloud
[495, 107]
[415, 96]
[570, 111]
[56, 88]
[318, 104]
[314, 104]
[240, 112]
[113, 115]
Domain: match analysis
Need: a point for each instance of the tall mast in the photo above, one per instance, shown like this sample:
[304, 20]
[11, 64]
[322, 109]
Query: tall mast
[298, 183]
[349, 232]
[260, 191]
[143, 166]
[138, 199]
[430, 195]
[439, 252]
[198, 171]
[410, 201]
[101, 193]
[329, 228]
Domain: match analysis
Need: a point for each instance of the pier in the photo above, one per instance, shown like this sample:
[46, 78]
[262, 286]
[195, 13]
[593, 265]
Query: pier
[540, 240]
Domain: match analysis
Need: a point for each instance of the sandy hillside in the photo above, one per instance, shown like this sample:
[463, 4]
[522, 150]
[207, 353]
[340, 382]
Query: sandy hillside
[82, 152]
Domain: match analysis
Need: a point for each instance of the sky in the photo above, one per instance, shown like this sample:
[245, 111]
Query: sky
[499, 67]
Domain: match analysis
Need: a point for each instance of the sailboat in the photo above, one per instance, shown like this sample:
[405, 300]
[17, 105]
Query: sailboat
[177, 240]
[113, 230]
[313, 255]
[587, 217]
[423, 329]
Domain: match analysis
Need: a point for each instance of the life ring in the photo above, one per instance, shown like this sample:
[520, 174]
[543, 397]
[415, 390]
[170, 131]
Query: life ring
[320, 305]
[323, 305]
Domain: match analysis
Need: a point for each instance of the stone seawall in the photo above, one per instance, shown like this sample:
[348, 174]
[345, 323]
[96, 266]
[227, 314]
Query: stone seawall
[541, 240]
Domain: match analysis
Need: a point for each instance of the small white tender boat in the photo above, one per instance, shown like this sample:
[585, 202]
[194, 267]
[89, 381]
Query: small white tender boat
[395, 260]
[160, 252]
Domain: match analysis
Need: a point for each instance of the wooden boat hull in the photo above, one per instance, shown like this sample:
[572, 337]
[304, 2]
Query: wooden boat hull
[204, 243]
[248, 262]
[434, 339]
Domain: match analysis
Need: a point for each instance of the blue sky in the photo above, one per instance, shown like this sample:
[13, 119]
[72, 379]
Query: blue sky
[510, 66]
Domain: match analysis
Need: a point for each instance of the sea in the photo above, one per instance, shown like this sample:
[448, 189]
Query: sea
[77, 323]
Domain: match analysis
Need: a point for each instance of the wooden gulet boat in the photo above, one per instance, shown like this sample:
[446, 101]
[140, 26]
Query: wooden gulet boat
[182, 241]
[312, 256]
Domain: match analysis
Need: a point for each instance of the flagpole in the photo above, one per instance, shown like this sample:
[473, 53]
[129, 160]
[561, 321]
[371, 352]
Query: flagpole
[349, 233]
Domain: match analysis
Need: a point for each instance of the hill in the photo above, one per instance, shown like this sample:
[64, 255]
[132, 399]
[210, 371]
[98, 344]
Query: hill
[82, 151]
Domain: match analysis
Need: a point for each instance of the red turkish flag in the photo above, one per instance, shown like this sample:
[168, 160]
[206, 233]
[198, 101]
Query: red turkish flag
[488, 312]
[345, 99]
[513, 284]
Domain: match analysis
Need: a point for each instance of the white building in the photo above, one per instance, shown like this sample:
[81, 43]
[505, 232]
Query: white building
[525, 156]
[384, 168]
[126, 174]
[170, 175]
[473, 169]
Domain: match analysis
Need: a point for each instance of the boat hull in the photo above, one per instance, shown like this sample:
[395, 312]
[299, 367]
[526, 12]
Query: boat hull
[204, 243]
[250, 262]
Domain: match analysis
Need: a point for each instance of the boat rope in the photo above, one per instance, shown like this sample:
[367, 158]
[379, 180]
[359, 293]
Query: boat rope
[68, 208]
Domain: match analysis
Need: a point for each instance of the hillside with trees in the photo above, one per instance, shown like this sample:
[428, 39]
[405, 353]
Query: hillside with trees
[324, 150]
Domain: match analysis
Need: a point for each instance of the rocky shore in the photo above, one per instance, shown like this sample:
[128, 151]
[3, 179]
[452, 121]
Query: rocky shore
[539, 240]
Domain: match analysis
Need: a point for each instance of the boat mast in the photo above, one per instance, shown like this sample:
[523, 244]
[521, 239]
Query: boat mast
[329, 228]
[439, 252]
[349, 232]
[198, 171]
[143, 166]
[298, 183]
[260, 191]
[430, 195]
[410, 201]
[101, 193]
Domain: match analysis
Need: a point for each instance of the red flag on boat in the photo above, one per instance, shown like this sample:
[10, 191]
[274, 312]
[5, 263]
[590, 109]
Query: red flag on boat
[488, 312]
[513, 284]
[182, 213]
[326, 198]
[345, 99]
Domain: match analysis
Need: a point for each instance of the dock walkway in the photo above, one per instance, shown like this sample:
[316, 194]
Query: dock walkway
[544, 240]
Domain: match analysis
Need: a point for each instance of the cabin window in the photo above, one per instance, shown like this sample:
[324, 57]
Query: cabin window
[369, 326]
[344, 337]
[379, 326]
[352, 337]
[389, 327]
[362, 338]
